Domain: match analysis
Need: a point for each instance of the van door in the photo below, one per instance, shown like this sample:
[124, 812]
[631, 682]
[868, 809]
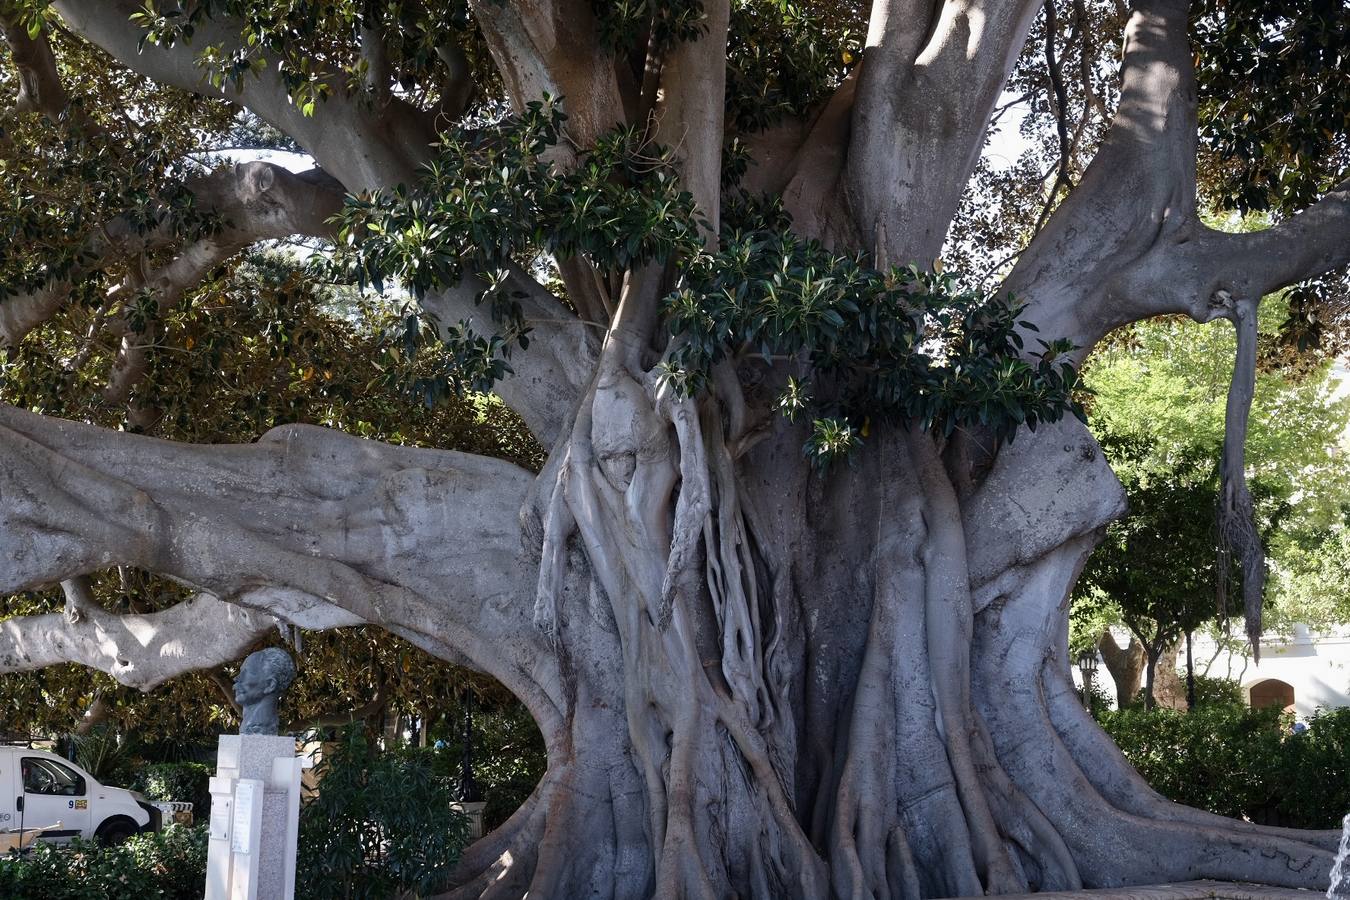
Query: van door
[9, 790]
[53, 792]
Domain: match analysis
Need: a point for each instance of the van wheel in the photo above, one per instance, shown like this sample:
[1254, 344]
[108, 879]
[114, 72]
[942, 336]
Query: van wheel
[115, 831]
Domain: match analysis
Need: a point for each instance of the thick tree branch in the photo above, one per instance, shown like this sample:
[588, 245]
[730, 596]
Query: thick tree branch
[379, 67]
[140, 651]
[107, 245]
[692, 108]
[256, 201]
[553, 47]
[1047, 488]
[458, 88]
[308, 525]
[1138, 192]
[912, 134]
[549, 376]
[363, 146]
[40, 88]
[366, 148]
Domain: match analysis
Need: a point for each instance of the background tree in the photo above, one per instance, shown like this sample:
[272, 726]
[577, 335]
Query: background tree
[1158, 408]
[788, 596]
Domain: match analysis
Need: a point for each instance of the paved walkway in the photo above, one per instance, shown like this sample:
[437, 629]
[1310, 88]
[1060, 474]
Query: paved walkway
[1189, 890]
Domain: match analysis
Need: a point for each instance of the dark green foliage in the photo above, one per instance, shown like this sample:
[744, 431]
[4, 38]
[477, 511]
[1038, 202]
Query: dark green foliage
[1242, 763]
[508, 755]
[1275, 99]
[381, 824]
[1275, 129]
[314, 46]
[104, 754]
[169, 865]
[1217, 692]
[784, 58]
[491, 198]
[898, 345]
[491, 202]
[183, 781]
[658, 24]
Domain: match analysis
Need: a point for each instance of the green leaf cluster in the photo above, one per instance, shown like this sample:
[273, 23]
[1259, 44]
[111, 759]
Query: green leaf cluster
[656, 24]
[493, 200]
[899, 345]
[316, 46]
[784, 58]
[493, 197]
[1275, 102]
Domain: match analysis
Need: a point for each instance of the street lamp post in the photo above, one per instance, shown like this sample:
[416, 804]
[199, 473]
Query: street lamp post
[1087, 664]
[468, 787]
[1190, 676]
[470, 801]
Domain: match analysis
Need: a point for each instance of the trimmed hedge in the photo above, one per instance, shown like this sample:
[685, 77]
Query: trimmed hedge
[1241, 762]
[168, 865]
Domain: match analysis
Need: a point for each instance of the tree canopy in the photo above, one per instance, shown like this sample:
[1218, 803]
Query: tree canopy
[785, 586]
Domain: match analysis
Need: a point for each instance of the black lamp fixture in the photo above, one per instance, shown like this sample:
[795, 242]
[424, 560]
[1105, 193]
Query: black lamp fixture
[469, 791]
[1087, 664]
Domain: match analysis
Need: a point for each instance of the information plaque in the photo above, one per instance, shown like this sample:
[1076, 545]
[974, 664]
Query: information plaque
[245, 798]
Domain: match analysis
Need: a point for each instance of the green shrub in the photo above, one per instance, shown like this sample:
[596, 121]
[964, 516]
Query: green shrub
[186, 781]
[1241, 762]
[1218, 692]
[169, 865]
[380, 825]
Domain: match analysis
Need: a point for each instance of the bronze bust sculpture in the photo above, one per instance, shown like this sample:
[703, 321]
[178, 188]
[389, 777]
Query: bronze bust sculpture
[262, 679]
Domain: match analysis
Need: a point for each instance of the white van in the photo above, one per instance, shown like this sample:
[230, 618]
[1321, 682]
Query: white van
[40, 789]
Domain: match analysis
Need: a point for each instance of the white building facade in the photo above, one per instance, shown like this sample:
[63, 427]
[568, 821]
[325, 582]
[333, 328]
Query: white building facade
[1307, 670]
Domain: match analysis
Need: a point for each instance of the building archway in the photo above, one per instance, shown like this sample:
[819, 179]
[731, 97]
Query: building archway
[1271, 692]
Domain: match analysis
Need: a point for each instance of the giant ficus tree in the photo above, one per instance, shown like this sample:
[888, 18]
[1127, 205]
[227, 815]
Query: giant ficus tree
[788, 598]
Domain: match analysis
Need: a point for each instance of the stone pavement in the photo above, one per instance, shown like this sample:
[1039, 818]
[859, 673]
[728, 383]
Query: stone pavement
[1189, 890]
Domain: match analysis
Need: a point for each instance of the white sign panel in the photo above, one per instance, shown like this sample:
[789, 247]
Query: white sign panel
[245, 798]
[220, 819]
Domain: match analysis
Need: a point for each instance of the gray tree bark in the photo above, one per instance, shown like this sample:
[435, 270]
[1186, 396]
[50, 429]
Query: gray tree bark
[752, 680]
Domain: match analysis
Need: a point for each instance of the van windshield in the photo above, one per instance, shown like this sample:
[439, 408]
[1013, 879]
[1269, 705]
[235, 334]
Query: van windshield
[45, 776]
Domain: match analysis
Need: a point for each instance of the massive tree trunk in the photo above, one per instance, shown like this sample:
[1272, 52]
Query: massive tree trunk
[753, 679]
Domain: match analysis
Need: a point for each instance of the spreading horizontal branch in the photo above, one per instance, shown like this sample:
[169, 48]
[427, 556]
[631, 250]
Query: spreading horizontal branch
[255, 201]
[139, 651]
[363, 145]
[315, 527]
[367, 146]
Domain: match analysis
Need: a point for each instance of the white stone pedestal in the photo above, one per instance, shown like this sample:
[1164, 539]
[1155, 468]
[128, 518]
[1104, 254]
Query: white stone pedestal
[255, 814]
[474, 813]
